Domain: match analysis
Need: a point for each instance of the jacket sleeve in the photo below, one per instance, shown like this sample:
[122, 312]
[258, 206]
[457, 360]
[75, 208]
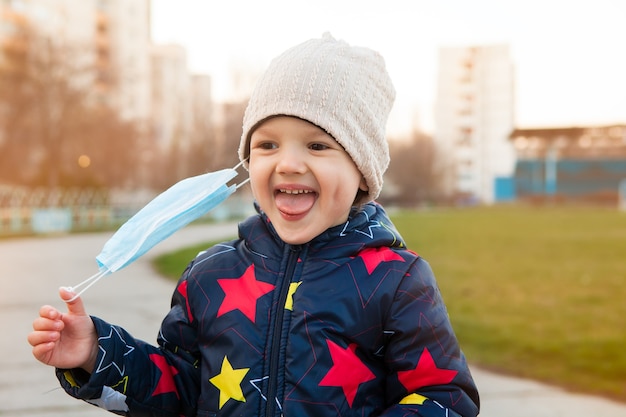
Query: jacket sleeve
[134, 378]
[428, 374]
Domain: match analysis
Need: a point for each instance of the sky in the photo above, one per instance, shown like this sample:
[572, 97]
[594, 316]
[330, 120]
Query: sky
[569, 55]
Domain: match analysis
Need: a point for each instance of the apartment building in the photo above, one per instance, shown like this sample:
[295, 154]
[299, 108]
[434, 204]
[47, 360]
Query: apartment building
[148, 84]
[124, 45]
[112, 35]
[474, 115]
[171, 96]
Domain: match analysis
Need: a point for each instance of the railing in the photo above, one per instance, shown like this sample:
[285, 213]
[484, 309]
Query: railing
[26, 211]
[42, 220]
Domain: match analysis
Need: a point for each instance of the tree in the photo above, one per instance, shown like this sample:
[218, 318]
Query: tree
[414, 173]
[229, 136]
[55, 128]
[203, 136]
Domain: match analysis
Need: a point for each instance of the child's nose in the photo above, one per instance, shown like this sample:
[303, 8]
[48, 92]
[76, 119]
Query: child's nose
[291, 160]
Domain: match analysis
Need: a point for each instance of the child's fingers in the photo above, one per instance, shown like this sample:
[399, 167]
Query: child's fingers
[42, 351]
[45, 330]
[46, 324]
[75, 306]
[49, 312]
[43, 337]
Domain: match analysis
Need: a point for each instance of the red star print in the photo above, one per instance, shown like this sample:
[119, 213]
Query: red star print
[166, 380]
[347, 372]
[242, 293]
[425, 374]
[372, 257]
[182, 289]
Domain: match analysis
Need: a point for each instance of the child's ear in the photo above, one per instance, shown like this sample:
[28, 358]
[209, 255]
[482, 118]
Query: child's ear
[362, 193]
[363, 185]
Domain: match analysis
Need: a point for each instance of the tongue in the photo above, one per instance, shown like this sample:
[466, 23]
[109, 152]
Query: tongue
[294, 203]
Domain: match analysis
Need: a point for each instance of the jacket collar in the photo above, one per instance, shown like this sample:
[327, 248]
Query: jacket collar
[367, 226]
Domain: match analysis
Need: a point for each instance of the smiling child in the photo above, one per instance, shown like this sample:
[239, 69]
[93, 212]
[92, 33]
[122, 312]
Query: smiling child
[317, 308]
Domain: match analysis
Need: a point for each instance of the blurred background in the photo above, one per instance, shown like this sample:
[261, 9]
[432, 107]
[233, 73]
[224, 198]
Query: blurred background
[104, 103]
[508, 147]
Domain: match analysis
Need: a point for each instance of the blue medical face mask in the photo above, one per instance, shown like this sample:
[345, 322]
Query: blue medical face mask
[171, 210]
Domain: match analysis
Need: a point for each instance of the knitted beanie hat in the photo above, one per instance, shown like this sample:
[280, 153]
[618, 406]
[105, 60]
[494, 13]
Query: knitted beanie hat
[343, 89]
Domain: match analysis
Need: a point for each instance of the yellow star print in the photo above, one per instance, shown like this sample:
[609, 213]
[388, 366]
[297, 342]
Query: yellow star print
[122, 383]
[228, 381]
[70, 378]
[292, 290]
[414, 399]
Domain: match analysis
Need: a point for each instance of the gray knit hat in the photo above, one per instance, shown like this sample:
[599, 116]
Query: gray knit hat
[343, 89]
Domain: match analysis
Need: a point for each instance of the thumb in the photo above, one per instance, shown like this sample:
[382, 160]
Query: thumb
[74, 303]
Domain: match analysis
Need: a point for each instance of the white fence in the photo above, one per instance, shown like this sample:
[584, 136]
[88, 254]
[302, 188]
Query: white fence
[25, 211]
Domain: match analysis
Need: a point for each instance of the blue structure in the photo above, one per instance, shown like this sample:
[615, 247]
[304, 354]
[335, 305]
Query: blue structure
[571, 178]
[504, 189]
[570, 163]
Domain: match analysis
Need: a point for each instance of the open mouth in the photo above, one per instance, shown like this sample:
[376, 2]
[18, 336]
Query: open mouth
[294, 202]
[295, 191]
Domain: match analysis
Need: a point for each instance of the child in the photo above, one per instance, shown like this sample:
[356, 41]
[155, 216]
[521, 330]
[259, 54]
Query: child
[318, 309]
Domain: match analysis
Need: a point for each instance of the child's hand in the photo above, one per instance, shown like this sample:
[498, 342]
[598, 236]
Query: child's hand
[65, 340]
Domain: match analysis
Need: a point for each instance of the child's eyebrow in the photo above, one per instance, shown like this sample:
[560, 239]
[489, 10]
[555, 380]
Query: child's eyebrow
[264, 132]
[311, 132]
[319, 133]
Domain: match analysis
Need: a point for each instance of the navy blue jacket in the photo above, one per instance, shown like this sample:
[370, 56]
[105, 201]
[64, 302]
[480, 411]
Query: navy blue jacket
[349, 324]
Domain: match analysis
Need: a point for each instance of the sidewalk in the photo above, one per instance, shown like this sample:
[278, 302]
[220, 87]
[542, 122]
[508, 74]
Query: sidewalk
[31, 270]
[503, 396]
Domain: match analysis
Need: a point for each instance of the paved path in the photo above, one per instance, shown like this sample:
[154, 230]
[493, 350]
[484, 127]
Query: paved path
[31, 270]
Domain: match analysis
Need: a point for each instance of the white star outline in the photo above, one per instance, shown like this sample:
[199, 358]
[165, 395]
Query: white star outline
[372, 224]
[225, 248]
[254, 383]
[104, 352]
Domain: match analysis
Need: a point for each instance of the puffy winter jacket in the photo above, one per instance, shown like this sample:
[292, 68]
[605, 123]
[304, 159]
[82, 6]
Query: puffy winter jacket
[349, 324]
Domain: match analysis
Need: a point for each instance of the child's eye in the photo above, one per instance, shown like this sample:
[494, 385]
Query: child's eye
[318, 146]
[265, 145]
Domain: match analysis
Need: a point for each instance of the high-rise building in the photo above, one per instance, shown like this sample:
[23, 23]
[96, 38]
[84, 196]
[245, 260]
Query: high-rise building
[60, 19]
[171, 96]
[474, 116]
[124, 44]
[112, 35]
[103, 50]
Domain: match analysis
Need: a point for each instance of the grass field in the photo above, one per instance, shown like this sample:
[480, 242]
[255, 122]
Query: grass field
[534, 292]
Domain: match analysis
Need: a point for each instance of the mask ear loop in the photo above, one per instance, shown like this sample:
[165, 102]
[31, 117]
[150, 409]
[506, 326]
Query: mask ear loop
[247, 180]
[86, 284]
[244, 182]
[99, 275]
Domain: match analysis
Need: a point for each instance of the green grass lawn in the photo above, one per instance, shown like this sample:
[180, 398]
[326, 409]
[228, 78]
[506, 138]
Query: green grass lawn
[534, 292]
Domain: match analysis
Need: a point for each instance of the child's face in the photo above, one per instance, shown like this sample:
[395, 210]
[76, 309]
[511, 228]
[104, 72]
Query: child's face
[301, 177]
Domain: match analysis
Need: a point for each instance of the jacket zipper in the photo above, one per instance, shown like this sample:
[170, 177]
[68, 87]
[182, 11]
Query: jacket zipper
[272, 388]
